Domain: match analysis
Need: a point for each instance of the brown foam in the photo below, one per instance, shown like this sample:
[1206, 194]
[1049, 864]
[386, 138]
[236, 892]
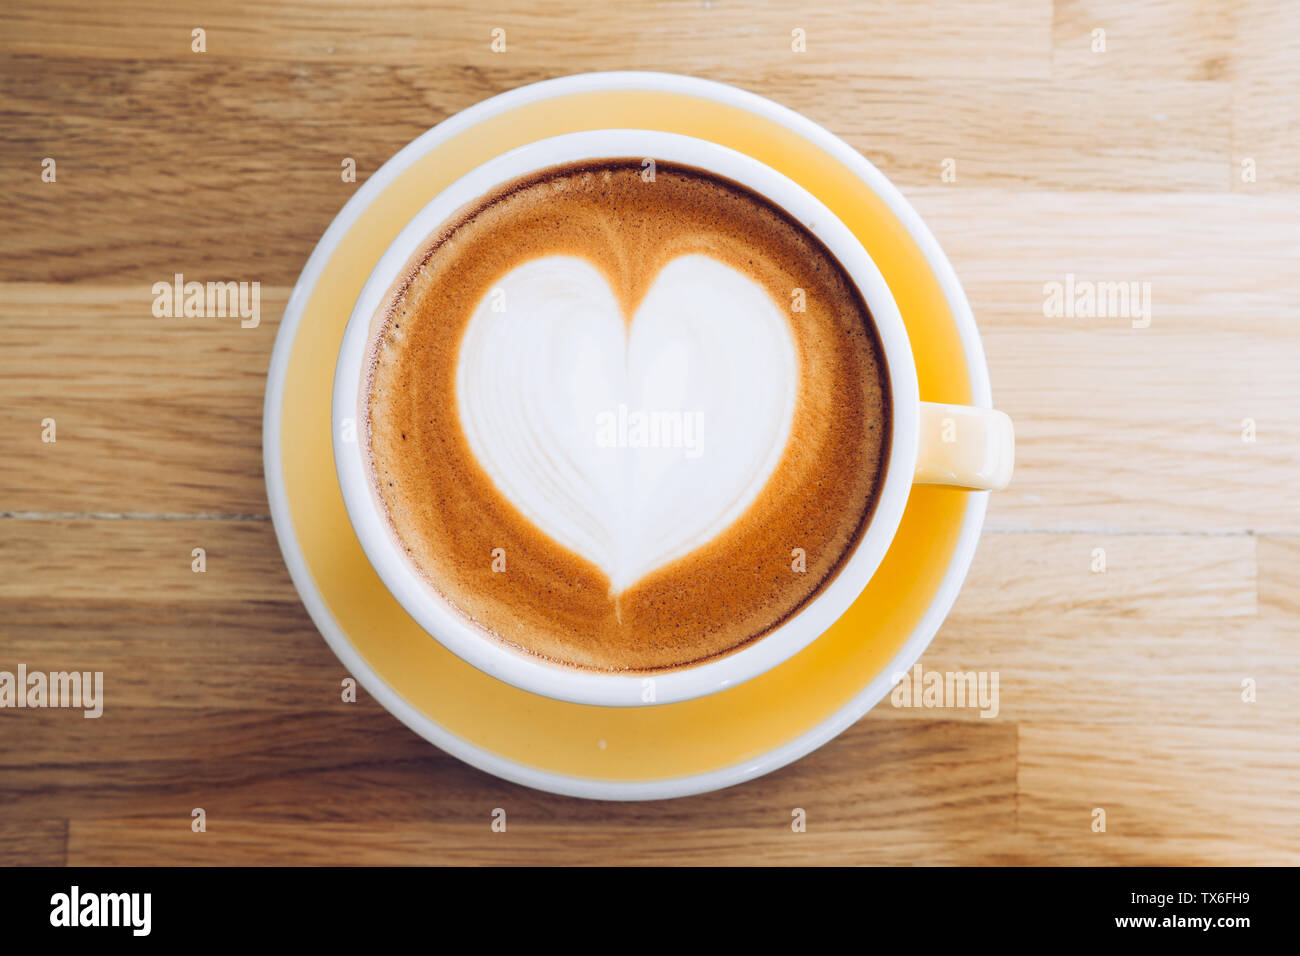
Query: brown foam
[449, 515]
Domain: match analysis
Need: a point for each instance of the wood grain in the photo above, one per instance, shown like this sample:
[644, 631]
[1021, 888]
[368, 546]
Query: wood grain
[1120, 689]
[950, 37]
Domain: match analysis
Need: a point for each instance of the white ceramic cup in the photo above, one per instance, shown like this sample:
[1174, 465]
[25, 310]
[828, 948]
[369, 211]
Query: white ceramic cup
[963, 446]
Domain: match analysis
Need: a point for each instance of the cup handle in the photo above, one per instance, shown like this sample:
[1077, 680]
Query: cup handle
[966, 447]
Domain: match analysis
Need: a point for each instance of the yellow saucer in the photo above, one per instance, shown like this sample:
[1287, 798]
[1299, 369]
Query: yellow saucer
[617, 753]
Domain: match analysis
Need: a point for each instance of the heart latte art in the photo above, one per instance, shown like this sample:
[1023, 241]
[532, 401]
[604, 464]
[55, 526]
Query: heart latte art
[625, 424]
[549, 364]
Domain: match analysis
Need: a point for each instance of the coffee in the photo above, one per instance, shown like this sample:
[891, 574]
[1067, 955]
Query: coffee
[623, 418]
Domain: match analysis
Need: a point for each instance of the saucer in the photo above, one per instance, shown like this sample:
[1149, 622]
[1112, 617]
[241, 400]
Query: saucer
[614, 753]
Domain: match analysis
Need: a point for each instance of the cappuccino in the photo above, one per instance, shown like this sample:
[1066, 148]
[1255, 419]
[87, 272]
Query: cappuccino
[625, 422]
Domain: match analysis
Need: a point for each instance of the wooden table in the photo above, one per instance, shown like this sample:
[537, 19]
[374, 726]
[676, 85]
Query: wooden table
[1169, 159]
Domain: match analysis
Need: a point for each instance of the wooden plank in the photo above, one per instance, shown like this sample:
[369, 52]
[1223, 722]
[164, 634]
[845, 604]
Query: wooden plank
[1160, 38]
[133, 841]
[923, 775]
[118, 174]
[196, 655]
[41, 842]
[1172, 794]
[933, 790]
[1123, 671]
[1069, 136]
[1007, 245]
[951, 37]
[1122, 576]
[153, 416]
[1251, 46]
[1265, 114]
[1193, 431]
[152, 561]
[1279, 578]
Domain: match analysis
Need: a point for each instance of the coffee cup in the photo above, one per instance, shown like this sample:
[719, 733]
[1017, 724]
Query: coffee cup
[961, 446]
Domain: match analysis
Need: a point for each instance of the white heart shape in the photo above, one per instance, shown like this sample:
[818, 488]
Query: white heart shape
[548, 361]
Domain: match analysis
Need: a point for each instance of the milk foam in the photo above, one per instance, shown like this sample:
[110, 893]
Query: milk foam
[548, 360]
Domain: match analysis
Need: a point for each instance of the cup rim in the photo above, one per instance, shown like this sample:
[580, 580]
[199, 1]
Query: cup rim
[435, 615]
